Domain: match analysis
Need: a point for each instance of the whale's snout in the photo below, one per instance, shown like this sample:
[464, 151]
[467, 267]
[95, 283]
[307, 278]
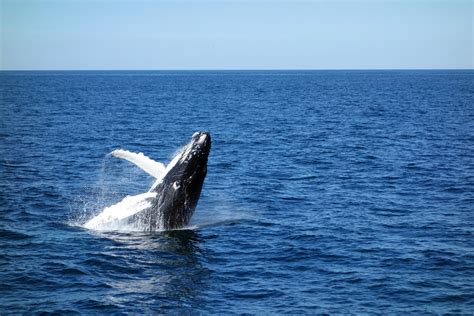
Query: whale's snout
[203, 140]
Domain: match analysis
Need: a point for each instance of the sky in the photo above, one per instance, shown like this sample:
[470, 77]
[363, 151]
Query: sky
[226, 34]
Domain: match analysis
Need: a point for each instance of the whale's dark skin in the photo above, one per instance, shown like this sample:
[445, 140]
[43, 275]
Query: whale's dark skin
[178, 193]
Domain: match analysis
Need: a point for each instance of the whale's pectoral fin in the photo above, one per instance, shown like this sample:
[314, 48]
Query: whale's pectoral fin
[154, 168]
[128, 207]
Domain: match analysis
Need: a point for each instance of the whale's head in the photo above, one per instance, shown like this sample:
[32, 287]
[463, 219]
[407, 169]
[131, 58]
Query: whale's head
[193, 156]
[181, 187]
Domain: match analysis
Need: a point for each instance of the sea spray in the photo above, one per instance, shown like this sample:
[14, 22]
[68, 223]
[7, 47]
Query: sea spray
[116, 179]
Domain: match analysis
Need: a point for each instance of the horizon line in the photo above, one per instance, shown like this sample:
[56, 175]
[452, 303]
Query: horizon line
[244, 69]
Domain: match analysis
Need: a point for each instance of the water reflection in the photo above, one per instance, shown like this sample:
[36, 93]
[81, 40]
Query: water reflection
[166, 269]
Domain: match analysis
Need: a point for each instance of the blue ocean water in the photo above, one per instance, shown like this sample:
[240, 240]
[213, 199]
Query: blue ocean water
[327, 192]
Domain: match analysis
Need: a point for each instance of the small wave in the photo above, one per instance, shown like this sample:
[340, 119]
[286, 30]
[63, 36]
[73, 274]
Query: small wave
[12, 235]
[72, 271]
[454, 298]
[259, 294]
[26, 281]
[300, 178]
[97, 305]
[454, 190]
[293, 198]
[221, 222]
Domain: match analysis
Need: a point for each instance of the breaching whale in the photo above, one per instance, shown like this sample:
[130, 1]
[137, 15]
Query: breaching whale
[170, 202]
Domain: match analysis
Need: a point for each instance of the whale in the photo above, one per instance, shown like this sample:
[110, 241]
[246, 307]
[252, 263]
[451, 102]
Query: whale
[170, 202]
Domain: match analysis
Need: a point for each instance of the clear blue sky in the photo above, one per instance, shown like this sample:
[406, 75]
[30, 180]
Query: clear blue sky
[227, 34]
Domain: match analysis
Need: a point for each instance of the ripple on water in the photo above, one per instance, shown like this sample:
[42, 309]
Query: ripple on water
[13, 235]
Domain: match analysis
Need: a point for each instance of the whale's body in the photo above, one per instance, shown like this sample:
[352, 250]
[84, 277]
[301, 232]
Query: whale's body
[178, 192]
[171, 201]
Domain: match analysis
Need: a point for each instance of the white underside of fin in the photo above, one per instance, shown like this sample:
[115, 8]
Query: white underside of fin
[113, 214]
[154, 168]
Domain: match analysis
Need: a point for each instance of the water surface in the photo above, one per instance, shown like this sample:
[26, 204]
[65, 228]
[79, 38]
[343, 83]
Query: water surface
[327, 191]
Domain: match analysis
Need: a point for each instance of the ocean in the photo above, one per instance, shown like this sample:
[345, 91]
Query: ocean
[339, 192]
